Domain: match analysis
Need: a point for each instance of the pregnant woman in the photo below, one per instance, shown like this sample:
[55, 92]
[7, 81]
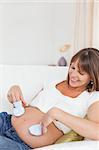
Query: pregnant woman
[60, 107]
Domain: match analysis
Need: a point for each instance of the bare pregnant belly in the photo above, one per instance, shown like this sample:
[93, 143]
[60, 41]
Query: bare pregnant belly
[30, 117]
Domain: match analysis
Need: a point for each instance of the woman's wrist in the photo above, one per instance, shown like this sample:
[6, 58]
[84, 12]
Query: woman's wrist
[54, 113]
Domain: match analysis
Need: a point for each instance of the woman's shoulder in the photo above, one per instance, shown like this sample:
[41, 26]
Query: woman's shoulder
[94, 97]
[95, 94]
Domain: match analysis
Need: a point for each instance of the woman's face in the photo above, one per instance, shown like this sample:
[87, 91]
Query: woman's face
[78, 78]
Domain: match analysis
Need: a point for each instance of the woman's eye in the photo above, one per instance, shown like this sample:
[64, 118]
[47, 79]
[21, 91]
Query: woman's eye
[72, 67]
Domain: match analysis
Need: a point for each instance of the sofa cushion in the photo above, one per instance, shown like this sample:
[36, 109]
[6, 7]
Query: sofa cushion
[70, 136]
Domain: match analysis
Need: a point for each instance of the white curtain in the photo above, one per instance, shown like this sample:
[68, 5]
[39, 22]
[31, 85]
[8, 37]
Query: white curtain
[96, 25]
[83, 28]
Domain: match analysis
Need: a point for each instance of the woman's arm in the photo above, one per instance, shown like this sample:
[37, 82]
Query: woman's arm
[87, 128]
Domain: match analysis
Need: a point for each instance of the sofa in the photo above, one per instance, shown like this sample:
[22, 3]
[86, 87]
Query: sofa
[31, 79]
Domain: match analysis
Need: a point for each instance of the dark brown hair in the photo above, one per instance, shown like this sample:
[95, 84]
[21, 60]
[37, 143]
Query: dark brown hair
[88, 61]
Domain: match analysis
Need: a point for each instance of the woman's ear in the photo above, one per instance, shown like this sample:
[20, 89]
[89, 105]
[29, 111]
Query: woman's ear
[91, 82]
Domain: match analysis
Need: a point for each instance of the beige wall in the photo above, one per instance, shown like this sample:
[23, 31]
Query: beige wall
[32, 32]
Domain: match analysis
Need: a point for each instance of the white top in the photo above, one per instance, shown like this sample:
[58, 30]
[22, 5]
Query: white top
[52, 97]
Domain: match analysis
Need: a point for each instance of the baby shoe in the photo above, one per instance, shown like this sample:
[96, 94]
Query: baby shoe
[36, 129]
[18, 109]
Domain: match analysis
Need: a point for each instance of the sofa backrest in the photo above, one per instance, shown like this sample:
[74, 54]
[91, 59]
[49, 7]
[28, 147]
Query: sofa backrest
[30, 78]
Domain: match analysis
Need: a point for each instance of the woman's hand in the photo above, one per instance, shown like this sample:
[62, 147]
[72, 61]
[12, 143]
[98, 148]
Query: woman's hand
[48, 118]
[15, 94]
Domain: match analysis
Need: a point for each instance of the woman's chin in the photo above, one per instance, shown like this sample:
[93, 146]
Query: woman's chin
[73, 85]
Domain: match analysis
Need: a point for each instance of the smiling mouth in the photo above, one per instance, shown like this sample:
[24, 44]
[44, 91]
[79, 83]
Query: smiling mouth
[72, 80]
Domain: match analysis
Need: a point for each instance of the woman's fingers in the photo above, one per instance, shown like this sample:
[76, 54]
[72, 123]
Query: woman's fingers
[45, 122]
[23, 101]
[13, 97]
[44, 130]
[15, 94]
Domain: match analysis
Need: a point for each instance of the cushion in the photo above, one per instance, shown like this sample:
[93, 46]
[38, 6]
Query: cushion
[70, 136]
